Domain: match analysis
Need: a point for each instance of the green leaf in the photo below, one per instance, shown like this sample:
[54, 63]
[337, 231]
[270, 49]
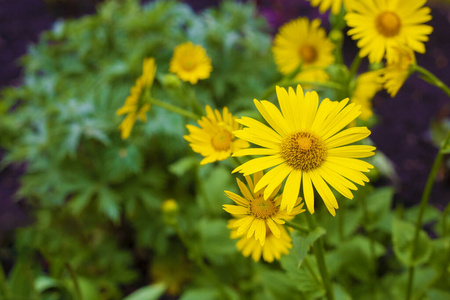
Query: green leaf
[302, 243]
[215, 239]
[108, 204]
[21, 280]
[378, 206]
[435, 294]
[152, 292]
[403, 238]
[200, 293]
[183, 165]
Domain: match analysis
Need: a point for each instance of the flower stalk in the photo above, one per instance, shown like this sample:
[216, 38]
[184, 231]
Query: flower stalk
[432, 79]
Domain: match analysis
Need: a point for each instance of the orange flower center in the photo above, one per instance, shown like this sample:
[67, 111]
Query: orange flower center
[388, 23]
[188, 63]
[308, 53]
[263, 209]
[222, 140]
[303, 151]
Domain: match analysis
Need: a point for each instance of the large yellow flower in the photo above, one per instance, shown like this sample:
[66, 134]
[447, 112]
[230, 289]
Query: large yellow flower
[301, 43]
[367, 85]
[306, 145]
[273, 248]
[190, 62]
[215, 139]
[254, 214]
[134, 107]
[395, 73]
[381, 25]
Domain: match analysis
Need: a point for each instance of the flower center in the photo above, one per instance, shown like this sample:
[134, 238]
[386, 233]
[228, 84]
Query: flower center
[308, 53]
[263, 209]
[303, 151]
[188, 64]
[222, 140]
[388, 23]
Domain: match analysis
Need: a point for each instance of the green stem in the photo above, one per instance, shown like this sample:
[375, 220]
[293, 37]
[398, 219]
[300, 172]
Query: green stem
[444, 220]
[311, 269]
[3, 286]
[355, 66]
[432, 79]
[174, 108]
[75, 281]
[422, 207]
[297, 227]
[319, 253]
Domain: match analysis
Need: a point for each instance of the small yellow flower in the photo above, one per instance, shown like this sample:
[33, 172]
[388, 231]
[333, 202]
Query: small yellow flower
[395, 73]
[255, 215]
[134, 106]
[190, 62]
[301, 43]
[215, 139]
[367, 85]
[307, 145]
[381, 25]
[273, 248]
[324, 5]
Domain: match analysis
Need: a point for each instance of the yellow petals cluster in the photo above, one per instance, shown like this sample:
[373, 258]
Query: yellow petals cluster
[214, 139]
[305, 45]
[380, 26]
[395, 73]
[307, 146]
[190, 62]
[134, 106]
[258, 221]
[367, 85]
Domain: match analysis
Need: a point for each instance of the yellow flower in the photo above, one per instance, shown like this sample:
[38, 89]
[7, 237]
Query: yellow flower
[214, 139]
[324, 5]
[301, 43]
[306, 145]
[273, 247]
[254, 214]
[134, 107]
[367, 85]
[381, 25]
[190, 62]
[396, 73]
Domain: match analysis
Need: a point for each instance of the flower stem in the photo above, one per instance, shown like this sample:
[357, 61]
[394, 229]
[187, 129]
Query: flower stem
[75, 281]
[297, 227]
[422, 207]
[432, 79]
[174, 109]
[355, 66]
[3, 286]
[319, 253]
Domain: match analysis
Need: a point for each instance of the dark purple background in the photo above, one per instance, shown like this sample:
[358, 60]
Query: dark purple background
[402, 132]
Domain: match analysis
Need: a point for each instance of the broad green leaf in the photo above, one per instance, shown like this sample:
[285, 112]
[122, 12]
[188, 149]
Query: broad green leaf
[402, 239]
[152, 292]
[200, 293]
[378, 205]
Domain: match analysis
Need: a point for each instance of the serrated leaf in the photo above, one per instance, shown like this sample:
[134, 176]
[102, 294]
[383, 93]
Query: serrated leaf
[403, 238]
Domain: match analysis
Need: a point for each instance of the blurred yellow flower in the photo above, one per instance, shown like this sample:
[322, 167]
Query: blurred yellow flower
[381, 25]
[273, 248]
[301, 43]
[367, 85]
[215, 139]
[134, 106]
[324, 5]
[306, 145]
[255, 215]
[395, 73]
[190, 62]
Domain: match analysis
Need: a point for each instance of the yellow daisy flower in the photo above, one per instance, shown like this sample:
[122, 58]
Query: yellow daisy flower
[134, 107]
[300, 42]
[215, 139]
[306, 145]
[381, 25]
[367, 85]
[190, 62]
[324, 5]
[396, 73]
[273, 247]
[254, 214]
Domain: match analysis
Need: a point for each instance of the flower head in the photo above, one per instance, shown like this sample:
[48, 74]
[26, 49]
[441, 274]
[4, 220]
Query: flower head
[215, 139]
[255, 215]
[134, 107]
[272, 249]
[367, 85]
[301, 43]
[324, 5]
[395, 73]
[306, 145]
[190, 62]
[381, 25]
